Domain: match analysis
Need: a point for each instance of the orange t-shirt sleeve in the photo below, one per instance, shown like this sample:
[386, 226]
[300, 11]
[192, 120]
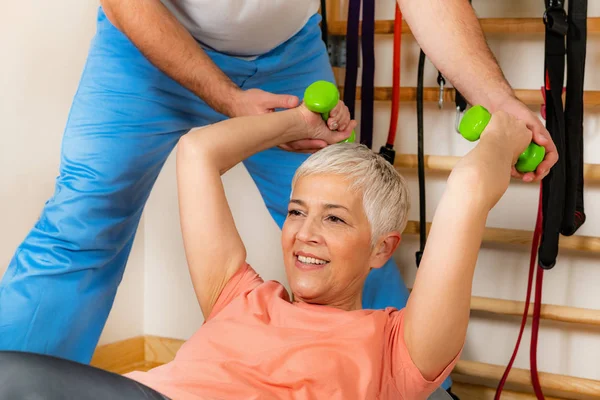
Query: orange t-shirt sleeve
[407, 378]
[243, 281]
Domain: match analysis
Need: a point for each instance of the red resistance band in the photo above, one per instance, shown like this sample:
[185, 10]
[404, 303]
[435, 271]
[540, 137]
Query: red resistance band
[395, 77]
[387, 151]
[536, 312]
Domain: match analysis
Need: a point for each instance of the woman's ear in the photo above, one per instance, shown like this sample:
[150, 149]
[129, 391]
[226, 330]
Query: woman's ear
[384, 249]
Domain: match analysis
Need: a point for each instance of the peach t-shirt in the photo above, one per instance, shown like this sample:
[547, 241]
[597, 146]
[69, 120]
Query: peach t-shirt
[258, 345]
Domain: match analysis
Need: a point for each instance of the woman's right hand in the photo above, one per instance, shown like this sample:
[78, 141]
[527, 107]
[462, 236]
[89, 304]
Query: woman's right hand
[509, 133]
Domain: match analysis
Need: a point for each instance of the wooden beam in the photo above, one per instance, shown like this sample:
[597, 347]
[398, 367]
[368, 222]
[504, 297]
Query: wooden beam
[591, 98]
[584, 316]
[437, 164]
[333, 11]
[161, 350]
[489, 26]
[445, 164]
[120, 357]
[550, 382]
[467, 391]
[520, 237]
[548, 311]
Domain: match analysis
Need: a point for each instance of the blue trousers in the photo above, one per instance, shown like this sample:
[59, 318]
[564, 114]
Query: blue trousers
[125, 120]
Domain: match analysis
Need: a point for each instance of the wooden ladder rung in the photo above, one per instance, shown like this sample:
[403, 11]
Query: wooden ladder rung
[520, 237]
[445, 164]
[469, 391]
[591, 98]
[489, 26]
[552, 312]
[551, 383]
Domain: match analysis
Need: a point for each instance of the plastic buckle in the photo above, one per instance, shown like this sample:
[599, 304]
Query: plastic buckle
[547, 266]
[555, 18]
[336, 47]
[388, 153]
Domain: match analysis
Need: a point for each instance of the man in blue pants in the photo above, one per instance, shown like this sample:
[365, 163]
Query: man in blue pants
[154, 71]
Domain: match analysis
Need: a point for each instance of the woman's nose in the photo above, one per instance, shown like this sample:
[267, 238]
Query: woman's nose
[309, 231]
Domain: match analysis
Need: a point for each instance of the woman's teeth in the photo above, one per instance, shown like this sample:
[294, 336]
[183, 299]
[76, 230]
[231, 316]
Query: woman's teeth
[310, 260]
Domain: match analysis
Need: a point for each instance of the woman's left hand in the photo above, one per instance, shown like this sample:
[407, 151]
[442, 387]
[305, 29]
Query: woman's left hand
[338, 127]
[319, 133]
[541, 136]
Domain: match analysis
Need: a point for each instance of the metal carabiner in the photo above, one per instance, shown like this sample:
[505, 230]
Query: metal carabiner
[441, 81]
[457, 120]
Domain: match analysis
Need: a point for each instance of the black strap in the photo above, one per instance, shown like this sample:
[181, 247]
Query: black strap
[574, 215]
[324, 28]
[351, 55]
[368, 73]
[421, 161]
[368, 67]
[553, 185]
[562, 189]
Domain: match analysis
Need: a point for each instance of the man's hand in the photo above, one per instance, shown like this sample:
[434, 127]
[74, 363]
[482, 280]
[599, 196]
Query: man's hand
[446, 30]
[540, 136]
[256, 101]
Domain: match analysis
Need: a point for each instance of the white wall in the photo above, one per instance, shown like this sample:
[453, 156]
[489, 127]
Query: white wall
[44, 47]
[44, 52]
[171, 308]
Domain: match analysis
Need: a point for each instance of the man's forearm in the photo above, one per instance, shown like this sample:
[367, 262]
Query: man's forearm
[171, 48]
[449, 33]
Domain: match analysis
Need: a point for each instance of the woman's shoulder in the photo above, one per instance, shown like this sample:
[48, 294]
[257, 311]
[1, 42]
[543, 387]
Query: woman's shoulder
[272, 288]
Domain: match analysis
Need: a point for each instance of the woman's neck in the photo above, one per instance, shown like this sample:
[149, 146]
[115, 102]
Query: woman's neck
[346, 303]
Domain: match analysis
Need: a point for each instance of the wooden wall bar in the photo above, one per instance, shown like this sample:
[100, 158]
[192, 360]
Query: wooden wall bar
[489, 26]
[591, 98]
[444, 164]
[588, 244]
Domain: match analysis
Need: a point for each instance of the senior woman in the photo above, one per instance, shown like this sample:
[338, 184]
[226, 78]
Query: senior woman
[347, 210]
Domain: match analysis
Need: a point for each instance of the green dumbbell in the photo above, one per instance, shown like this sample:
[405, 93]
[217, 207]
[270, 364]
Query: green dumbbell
[474, 122]
[321, 97]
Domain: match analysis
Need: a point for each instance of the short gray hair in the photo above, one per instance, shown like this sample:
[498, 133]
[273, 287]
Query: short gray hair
[385, 192]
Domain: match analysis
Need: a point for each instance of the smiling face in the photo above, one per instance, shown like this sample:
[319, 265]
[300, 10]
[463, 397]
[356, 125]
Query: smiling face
[327, 242]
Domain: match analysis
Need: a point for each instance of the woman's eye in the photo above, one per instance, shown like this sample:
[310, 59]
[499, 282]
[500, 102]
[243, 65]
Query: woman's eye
[335, 219]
